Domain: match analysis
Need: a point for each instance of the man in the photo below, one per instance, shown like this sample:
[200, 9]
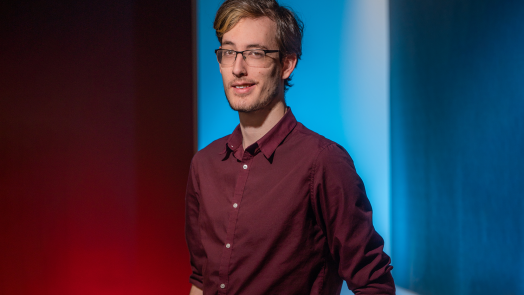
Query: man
[275, 208]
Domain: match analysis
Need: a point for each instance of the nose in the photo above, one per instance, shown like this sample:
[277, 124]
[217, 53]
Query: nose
[239, 67]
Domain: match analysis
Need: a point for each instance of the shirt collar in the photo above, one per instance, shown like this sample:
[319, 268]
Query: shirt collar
[234, 142]
[269, 142]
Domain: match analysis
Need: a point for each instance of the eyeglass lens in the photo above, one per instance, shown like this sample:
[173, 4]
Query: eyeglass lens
[253, 58]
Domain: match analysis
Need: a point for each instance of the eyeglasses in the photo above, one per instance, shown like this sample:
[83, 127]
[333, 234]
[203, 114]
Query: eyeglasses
[254, 58]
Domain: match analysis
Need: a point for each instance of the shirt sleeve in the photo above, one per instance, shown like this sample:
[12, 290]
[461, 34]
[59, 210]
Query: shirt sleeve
[193, 239]
[343, 211]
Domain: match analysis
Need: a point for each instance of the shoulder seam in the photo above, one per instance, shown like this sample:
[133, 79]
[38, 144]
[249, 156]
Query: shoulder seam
[312, 199]
[316, 159]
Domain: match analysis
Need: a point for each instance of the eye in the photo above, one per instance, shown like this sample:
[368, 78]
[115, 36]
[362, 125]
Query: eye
[228, 52]
[256, 53]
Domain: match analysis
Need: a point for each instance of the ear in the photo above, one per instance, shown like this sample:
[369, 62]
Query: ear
[288, 65]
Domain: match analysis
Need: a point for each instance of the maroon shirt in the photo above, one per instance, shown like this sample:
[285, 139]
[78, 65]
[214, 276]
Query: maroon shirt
[288, 215]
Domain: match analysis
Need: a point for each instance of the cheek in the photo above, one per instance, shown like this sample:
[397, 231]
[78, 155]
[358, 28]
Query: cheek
[226, 78]
[224, 81]
[269, 74]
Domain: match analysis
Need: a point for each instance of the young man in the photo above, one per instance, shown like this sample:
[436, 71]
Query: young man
[275, 208]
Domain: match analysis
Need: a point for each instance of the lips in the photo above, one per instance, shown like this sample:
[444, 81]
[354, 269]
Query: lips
[242, 84]
[243, 87]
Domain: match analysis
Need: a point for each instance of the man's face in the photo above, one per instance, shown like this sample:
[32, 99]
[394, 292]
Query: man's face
[248, 88]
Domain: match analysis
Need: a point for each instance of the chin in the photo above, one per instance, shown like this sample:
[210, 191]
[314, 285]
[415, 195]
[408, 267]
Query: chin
[239, 102]
[252, 102]
[245, 105]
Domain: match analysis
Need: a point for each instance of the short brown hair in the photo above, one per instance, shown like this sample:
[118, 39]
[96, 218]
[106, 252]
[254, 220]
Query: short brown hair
[289, 26]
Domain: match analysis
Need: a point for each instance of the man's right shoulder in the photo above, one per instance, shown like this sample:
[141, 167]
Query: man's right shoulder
[213, 149]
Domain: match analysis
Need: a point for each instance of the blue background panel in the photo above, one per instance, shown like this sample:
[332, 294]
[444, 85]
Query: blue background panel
[457, 119]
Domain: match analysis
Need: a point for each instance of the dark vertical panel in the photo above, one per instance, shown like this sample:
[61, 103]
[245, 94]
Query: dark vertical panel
[457, 122]
[164, 95]
[95, 144]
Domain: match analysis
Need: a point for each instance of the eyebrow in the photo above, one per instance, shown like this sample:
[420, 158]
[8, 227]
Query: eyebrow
[256, 46]
[249, 46]
[227, 43]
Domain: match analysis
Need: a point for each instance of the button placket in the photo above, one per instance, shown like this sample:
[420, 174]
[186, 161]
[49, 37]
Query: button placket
[246, 162]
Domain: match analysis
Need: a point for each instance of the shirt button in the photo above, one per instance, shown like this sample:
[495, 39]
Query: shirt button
[222, 286]
[235, 205]
[228, 245]
[245, 166]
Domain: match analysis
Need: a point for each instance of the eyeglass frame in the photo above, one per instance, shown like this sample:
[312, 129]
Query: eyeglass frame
[242, 53]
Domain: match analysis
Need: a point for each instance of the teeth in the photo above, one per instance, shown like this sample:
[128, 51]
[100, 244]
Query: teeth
[241, 86]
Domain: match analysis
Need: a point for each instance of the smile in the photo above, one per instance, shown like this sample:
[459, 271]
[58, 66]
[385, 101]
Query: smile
[243, 89]
[242, 86]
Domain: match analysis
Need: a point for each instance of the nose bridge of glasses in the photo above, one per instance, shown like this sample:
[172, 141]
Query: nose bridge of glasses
[236, 54]
[238, 66]
[242, 54]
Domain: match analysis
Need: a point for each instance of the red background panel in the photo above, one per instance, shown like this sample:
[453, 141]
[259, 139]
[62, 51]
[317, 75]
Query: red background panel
[96, 137]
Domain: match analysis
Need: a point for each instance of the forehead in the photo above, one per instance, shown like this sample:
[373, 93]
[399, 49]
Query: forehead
[252, 31]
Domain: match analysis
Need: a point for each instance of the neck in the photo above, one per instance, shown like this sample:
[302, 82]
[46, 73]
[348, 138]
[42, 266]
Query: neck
[256, 124]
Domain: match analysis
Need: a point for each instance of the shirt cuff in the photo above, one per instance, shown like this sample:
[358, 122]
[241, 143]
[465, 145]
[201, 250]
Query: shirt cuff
[197, 281]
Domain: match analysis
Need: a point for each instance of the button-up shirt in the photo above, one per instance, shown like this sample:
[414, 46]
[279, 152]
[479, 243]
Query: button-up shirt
[287, 215]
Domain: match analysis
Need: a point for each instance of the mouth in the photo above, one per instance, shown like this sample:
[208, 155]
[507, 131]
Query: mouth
[242, 84]
[243, 87]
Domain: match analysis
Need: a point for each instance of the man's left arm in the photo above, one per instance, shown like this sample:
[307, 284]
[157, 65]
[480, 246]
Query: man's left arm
[344, 213]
